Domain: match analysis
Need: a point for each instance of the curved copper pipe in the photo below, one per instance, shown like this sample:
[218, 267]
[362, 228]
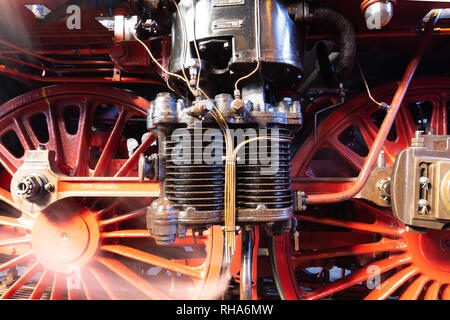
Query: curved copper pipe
[385, 126]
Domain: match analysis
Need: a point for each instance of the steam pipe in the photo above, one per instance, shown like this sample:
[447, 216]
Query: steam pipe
[385, 126]
[339, 25]
[345, 33]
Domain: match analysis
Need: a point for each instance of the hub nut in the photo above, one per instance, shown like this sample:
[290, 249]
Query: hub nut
[32, 187]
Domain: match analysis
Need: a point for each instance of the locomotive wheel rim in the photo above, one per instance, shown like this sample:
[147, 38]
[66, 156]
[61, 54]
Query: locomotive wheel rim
[81, 252]
[412, 265]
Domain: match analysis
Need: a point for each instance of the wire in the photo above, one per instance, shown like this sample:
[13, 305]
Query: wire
[382, 105]
[236, 150]
[196, 48]
[230, 184]
[156, 61]
[257, 46]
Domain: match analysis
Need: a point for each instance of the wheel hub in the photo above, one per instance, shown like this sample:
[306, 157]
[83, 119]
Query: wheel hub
[432, 251]
[65, 241]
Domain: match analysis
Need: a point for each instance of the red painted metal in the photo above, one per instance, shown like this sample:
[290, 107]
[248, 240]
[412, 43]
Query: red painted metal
[365, 238]
[21, 75]
[52, 60]
[98, 245]
[385, 127]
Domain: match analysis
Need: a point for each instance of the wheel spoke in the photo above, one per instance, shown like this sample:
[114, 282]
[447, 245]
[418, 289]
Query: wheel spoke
[16, 260]
[354, 159]
[14, 241]
[393, 283]
[14, 223]
[8, 161]
[405, 123]
[111, 206]
[58, 287]
[367, 248]
[446, 293]
[111, 144]
[439, 117]
[84, 134]
[415, 288]
[151, 259]
[353, 225]
[360, 276]
[123, 217]
[21, 281]
[6, 197]
[86, 284]
[137, 233]
[382, 218]
[105, 283]
[41, 285]
[133, 160]
[368, 130]
[433, 291]
[132, 278]
[23, 135]
[55, 133]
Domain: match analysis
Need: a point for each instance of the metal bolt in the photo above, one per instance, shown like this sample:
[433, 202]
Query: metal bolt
[32, 187]
[417, 140]
[381, 160]
[384, 188]
[424, 182]
[64, 237]
[423, 206]
[50, 187]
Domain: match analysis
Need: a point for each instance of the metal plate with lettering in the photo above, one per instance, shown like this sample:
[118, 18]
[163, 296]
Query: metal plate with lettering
[228, 3]
[227, 24]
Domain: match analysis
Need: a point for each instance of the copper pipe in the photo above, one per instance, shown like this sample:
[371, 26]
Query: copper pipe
[385, 126]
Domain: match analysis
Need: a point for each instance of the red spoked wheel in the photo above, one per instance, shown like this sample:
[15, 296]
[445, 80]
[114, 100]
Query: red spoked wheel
[356, 250]
[90, 248]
